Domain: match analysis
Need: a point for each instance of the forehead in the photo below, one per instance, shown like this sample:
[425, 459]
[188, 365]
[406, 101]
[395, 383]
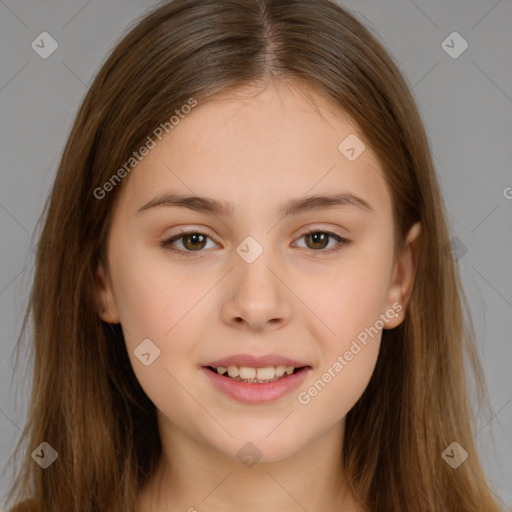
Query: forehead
[253, 147]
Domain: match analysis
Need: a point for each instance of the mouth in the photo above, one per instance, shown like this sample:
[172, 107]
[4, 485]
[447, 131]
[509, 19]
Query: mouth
[252, 375]
[256, 385]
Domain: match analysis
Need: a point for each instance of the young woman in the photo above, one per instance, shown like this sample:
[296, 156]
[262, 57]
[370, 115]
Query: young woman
[242, 299]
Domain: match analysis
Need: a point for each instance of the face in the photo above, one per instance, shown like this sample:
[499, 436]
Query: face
[274, 282]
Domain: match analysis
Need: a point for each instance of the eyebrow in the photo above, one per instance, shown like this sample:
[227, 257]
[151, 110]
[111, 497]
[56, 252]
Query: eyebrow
[204, 204]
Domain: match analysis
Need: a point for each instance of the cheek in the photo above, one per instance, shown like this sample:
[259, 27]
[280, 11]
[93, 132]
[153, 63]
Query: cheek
[348, 337]
[348, 350]
[338, 386]
[155, 310]
[351, 297]
[152, 296]
[156, 305]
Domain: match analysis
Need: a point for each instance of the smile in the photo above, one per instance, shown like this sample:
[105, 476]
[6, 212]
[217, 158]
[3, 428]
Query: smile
[256, 385]
[255, 375]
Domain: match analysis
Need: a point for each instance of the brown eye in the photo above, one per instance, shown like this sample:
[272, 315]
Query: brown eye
[318, 240]
[194, 241]
[190, 242]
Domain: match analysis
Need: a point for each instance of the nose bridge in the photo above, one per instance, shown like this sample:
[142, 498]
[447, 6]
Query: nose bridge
[257, 295]
[252, 274]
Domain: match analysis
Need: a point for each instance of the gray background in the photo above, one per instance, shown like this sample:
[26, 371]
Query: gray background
[466, 104]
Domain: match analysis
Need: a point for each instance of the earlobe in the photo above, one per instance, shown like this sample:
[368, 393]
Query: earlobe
[405, 271]
[107, 309]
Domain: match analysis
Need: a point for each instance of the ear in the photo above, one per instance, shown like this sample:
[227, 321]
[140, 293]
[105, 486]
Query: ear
[403, 275]
[106, 301]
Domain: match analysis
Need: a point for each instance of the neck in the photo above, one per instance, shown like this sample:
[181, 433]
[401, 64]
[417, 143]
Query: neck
[196, 478]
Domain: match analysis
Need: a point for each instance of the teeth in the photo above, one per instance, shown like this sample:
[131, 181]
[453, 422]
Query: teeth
[232, 371]
[265, 374]
[246, 372]
[280, 370]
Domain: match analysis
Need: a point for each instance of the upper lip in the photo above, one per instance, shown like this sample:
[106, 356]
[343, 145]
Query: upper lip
[256, 362]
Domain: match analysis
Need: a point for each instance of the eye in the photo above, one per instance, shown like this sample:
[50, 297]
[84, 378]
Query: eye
[318, 240]
[192, 241]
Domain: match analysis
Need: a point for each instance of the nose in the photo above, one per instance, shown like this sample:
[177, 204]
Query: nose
[257, 297]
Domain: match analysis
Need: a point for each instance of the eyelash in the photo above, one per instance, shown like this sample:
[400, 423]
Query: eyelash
[167, 244]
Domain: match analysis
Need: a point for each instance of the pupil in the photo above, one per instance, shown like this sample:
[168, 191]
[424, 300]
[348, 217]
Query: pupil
[316, 237]
[194, 237]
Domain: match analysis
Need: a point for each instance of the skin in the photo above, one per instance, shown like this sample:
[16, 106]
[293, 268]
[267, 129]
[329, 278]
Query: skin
[254, 148]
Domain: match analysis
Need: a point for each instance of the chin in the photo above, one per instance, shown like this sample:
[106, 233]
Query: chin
[252, 447]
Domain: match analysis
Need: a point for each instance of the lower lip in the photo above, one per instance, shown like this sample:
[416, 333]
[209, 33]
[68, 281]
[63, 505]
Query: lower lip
[257, 393]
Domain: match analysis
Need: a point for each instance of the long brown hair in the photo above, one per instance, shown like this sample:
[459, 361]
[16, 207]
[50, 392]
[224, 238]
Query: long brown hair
[86, 401]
